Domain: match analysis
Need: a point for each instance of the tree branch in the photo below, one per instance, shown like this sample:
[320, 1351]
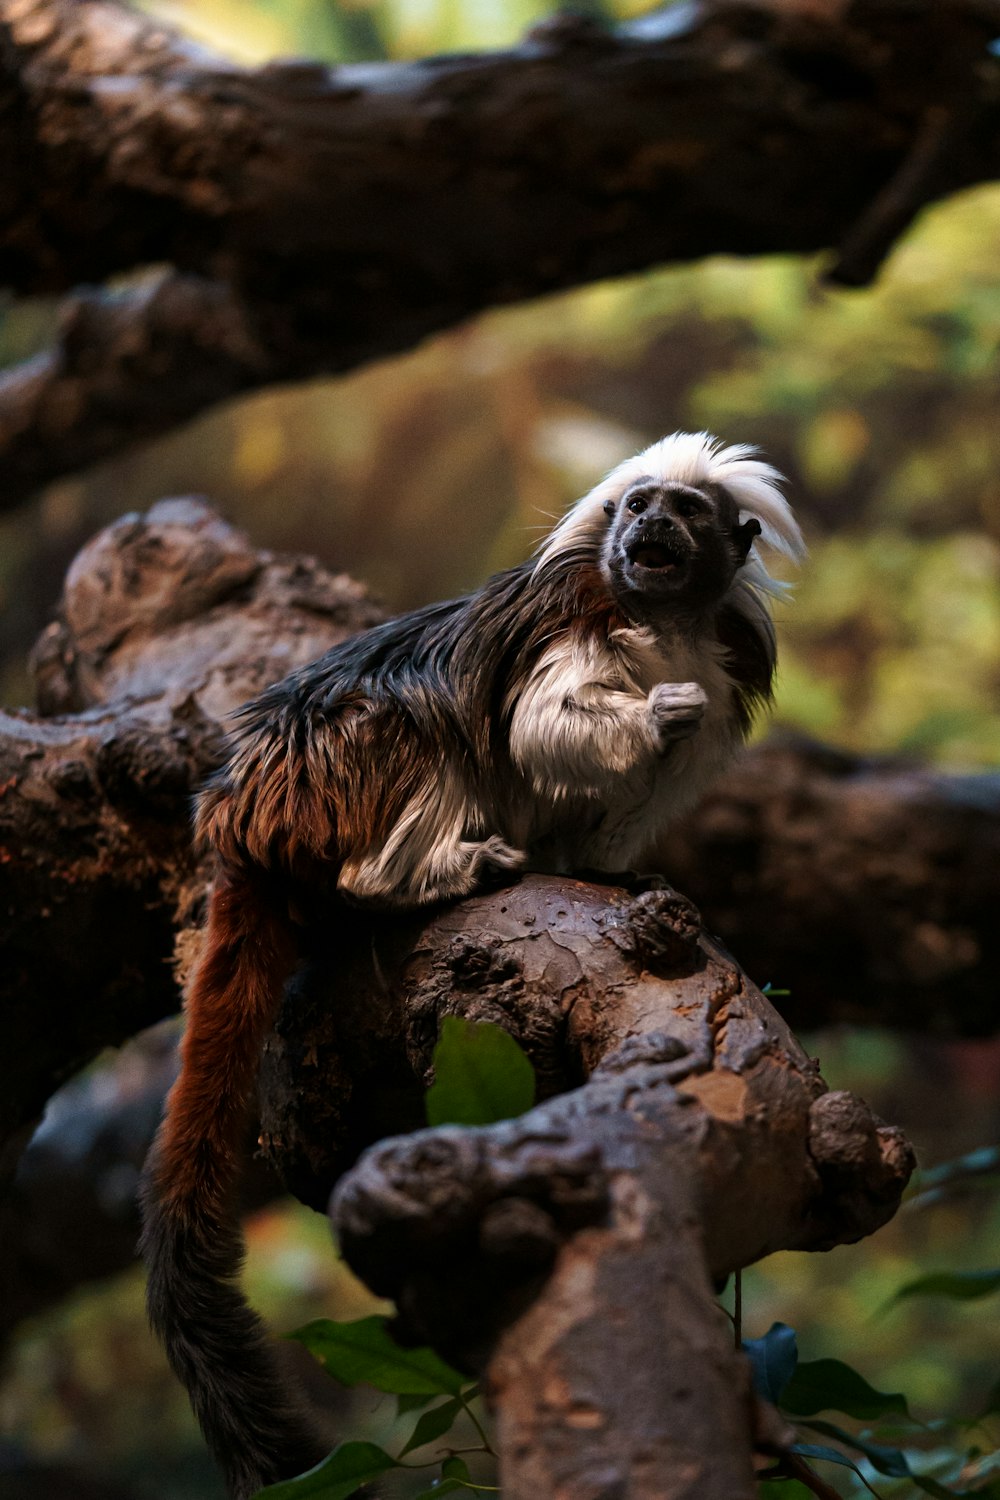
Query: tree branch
[810, 860]
[703, 1139]
[324, 217]
[864, 886]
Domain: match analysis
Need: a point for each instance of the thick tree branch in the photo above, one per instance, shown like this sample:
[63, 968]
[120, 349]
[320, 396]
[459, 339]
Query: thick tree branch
[867, 887]
[569, 1255]
[811, 861]
[328, 216]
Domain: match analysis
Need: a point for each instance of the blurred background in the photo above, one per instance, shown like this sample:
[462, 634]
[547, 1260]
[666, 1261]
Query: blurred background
[423, 474]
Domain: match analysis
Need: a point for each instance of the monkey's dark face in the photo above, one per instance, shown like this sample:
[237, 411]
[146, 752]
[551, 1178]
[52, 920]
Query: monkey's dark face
[672, 547]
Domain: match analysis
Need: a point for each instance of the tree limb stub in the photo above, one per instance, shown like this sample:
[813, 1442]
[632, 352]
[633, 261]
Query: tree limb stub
[570, 1254]
[170, 620]
[324, 217]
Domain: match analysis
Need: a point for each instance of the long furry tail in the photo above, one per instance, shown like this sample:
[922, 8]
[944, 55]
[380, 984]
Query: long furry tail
[191, 1235]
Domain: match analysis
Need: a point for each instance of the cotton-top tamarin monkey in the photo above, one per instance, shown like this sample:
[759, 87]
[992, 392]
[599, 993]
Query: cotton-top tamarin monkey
[557, 719]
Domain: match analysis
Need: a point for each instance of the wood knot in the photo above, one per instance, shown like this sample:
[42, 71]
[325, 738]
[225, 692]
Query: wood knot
[659, 930]
[476, 963]
[649, 1049]
[863, 1164]
[518, 1233]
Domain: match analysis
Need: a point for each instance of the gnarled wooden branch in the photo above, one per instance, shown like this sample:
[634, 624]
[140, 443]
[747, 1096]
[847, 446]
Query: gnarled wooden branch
[316, 218]
[171, 619]
[569, 1255]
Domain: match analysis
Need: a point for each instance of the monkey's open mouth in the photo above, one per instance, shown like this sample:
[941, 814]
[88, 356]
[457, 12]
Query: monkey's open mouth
[654, 556]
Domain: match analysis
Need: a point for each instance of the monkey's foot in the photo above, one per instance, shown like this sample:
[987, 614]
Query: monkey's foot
[496, 863]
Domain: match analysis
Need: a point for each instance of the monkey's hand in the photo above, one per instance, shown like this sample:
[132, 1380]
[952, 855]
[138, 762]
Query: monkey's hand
[675, 712]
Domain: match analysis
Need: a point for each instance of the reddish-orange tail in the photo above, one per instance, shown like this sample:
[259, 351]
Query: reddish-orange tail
[191, 1235]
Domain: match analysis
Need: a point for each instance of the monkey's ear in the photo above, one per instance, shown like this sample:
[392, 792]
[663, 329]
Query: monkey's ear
[743, 538]
[609, 508]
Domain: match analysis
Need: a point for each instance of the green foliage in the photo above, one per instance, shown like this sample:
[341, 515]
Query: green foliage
[830, 1385]
[349, 1466]
[454, 1476]
[802, 1390]
[773, 1359]
[480, 1075]
[433, 1425]
[365, 1351]
[960, 1286]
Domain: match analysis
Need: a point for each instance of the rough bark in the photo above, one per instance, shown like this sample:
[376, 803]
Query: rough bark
[703, 1139]
[170, 620]
[316, 218]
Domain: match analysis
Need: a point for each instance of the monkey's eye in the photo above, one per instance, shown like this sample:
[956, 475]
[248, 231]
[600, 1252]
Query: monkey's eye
[687, 508]
[637, 505]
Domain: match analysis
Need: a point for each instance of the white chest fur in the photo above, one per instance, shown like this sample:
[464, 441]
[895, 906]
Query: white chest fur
[601, 792]
[640, 806]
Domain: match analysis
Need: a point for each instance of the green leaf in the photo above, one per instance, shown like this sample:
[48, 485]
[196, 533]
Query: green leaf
[454, 1476]
[405, 1404]
[433, 1424]
[891, 1462]
[481, 1075]
[783, 1489]
[349, 1466]
[960, 1286]
[829, 1455]
[365, 1351]
[888, 1461]
[773, 1359]
[830, 1385]
[456, 1468]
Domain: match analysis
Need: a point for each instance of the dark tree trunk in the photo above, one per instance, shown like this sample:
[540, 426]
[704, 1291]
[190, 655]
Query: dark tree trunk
[317, 218]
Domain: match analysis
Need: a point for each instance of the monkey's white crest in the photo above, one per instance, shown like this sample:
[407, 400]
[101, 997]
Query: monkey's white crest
[693, 458]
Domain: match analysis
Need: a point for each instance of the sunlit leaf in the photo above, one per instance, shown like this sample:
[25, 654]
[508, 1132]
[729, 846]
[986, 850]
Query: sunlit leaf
[349, 1466]
[773, 1359]
[365, 1351]
[481, 1075]
[829, 1385]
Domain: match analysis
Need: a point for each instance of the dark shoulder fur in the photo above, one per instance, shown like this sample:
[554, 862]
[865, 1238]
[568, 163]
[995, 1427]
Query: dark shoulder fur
[749, 661]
